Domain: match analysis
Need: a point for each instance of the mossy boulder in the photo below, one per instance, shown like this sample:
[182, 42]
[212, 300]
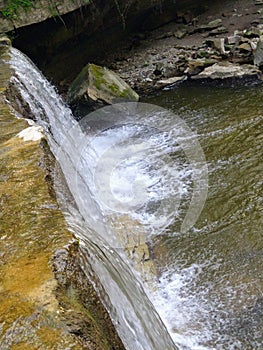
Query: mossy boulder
[99, 84]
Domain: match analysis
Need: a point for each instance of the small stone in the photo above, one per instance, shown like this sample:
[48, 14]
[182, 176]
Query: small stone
[233, 39]
[219, 30]
[253, 44]
[179, 34]
[214, 24]
[210, 25]
[196, 66]
[252, 32]
[238, 33]
[245, 47]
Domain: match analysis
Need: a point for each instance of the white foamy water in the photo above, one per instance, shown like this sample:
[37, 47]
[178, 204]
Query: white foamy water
[136, 320]
[142, 161]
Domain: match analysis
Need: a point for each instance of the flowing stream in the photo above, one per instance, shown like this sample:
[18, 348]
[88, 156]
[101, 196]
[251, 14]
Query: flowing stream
[177, 264]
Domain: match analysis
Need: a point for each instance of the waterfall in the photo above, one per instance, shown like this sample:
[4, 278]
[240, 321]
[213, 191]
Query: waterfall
[119, 286]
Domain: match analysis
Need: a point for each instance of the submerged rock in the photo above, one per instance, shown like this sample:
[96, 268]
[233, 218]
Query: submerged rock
[171, 81]
[95, 84]
[225, 70]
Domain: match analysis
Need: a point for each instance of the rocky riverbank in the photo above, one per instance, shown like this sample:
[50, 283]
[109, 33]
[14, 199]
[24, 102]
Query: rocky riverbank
[225, 41]
[152, 45]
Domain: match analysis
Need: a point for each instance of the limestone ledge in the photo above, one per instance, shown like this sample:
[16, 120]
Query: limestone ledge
[42, 10]
[38, 310]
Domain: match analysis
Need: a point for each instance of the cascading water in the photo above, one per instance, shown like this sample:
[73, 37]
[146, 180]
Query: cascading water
[136, 320]
[207, 285]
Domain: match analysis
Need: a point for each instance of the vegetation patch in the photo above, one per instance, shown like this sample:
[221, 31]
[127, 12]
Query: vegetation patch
[13, 7]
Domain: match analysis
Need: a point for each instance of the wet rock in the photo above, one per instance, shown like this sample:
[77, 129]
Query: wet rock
[5, 41]
[95, 84]
[171, 81]
[36, 309]
[83, 313]
[258, 54]
[225, 70]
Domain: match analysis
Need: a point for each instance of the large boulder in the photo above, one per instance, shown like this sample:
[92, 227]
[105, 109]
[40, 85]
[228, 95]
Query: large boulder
[99, 84]
[226, 70]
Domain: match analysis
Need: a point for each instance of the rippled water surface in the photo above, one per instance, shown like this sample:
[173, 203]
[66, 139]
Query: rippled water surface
[212, 280]
[132, 174]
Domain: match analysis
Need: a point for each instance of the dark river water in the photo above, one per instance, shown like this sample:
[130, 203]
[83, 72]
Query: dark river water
[212, 279]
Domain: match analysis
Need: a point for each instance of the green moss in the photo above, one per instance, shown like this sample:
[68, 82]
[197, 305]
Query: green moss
[13, 7]
[97, 72]
[101, 82]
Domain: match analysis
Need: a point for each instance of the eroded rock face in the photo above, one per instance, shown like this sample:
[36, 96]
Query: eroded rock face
[36, 309]
[95, 83]
[38, 12]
